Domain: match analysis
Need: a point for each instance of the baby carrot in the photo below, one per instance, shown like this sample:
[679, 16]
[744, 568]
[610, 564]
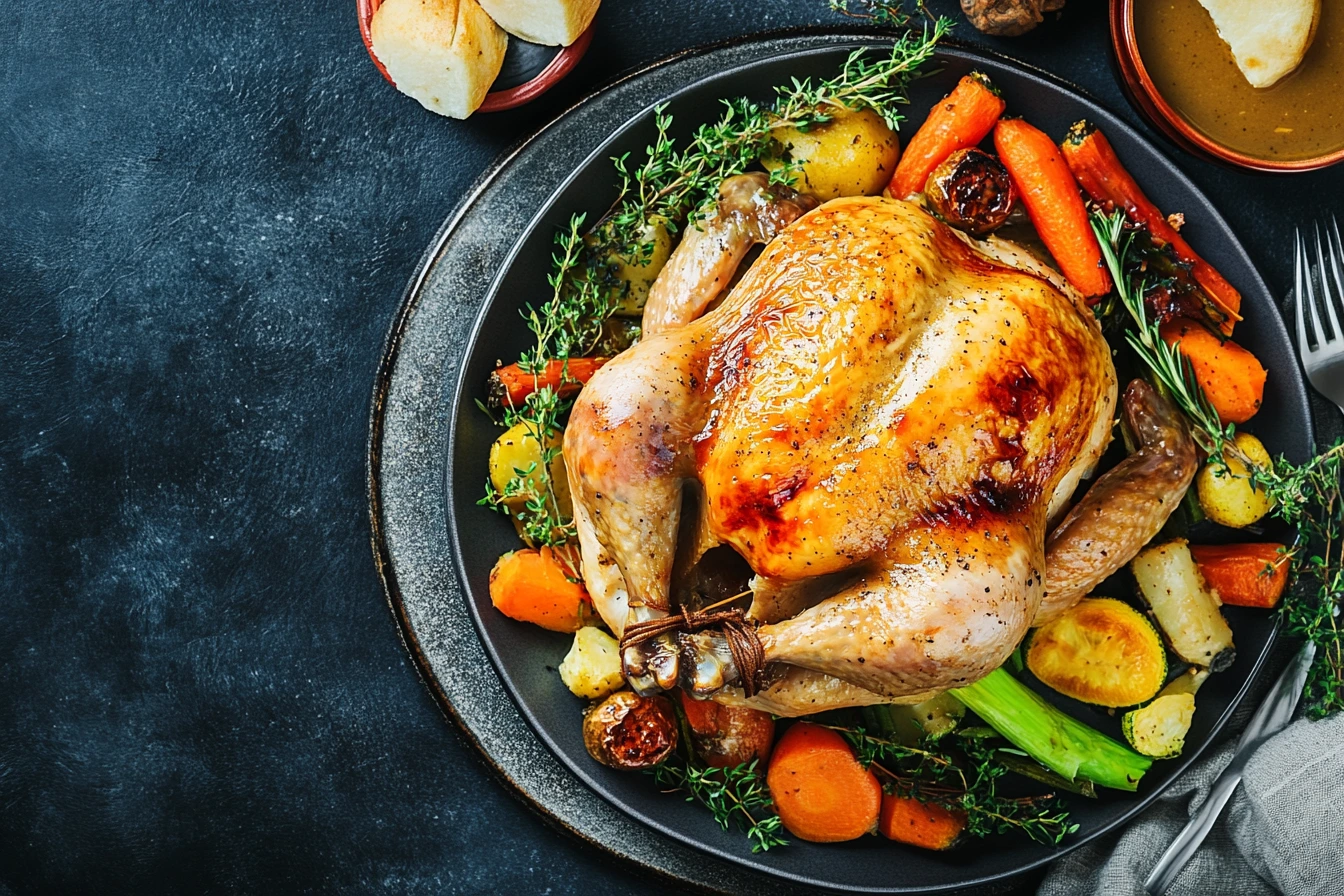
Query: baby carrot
[511, 384]
[1051, 196]
[1092, 160]
[963, 118]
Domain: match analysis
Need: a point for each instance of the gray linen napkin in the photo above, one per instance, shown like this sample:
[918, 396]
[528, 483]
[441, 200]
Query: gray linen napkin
[1283, 832]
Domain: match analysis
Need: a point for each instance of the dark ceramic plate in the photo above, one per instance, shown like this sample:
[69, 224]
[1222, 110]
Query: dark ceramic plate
[525, 657]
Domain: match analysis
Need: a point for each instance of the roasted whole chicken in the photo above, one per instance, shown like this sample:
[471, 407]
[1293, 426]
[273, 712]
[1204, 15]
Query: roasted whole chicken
[884, 419]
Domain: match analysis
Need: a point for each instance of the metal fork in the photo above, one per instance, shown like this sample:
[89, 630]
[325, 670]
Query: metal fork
[1324, 363]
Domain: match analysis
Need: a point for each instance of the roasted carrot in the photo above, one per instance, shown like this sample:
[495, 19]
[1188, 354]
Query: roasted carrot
[963, 118]
[511, 384]
[534, 586]
[907, 820]
[820, 790]
[1051, 196]
[1096, 166]
[1232, 378]
[1244, 575]
[727, 736]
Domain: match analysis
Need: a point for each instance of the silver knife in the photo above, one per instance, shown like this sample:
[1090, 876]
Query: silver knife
[1271, 717]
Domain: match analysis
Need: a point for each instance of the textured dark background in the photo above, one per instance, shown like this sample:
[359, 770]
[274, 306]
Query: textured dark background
[209, 213]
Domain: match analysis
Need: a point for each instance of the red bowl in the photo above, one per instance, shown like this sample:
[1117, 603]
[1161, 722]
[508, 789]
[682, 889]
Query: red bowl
[1143, 93]
[495, 100]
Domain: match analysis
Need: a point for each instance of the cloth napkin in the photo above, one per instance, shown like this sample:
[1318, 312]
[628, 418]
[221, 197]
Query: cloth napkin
[1283, 831]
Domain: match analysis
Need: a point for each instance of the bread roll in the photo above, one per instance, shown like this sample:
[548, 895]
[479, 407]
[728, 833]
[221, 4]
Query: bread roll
[1268, 40]
[444, 53]
[550, 22]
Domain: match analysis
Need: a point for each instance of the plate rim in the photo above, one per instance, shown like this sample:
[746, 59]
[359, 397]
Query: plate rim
[843, 38]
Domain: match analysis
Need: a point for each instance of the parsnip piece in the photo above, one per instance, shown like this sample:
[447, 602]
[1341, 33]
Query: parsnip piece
[1268, 40]
[1183, 605]
[550, 22]
[443, 53]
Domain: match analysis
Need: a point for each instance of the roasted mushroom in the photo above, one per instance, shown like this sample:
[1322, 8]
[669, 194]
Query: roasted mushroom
[971, 190]
[627, 731]
[1008, 18]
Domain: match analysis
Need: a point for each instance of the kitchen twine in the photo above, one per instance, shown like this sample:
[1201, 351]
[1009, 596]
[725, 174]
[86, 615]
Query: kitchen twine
[743, 642]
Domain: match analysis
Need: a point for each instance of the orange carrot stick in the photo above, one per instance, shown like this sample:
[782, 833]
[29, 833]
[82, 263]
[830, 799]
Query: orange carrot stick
[1092, 160]
[533, 586]
[1231, 377]
[511, 384]
[963, 118]
[1050, 194]
[1244, 575]
[820, 790]
[907, 820]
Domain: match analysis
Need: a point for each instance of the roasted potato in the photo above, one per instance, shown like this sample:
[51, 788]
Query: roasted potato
[1183, 605]
[853, 154]
[627, 731]
[517, 455]
[1227, 495]
[635, 271]
[592, 668]
[971, 191]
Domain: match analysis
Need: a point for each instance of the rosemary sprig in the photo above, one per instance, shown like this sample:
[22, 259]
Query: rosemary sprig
[735, 795]
[1307, 497]
[667, 190]
[968, 783]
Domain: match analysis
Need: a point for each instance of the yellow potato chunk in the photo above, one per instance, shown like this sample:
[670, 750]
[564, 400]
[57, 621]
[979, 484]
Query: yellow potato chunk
[1227, 495]
[515, 457]
[592, 668]
[853, 154]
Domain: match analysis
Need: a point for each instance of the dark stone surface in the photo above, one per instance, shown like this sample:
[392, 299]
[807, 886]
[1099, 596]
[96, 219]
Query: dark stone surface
[210, 211]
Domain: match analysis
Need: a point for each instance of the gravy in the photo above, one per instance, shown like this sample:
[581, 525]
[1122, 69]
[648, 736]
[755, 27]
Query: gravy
[1300, 117]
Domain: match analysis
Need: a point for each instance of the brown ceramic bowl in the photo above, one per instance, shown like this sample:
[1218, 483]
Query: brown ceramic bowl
[548, 76]
[1143, 93]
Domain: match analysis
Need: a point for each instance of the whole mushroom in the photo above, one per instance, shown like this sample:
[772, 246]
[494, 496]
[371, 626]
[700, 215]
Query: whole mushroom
[1008, 18]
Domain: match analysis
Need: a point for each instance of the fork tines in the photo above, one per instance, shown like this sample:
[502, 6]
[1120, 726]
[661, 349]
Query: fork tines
[1314, 338]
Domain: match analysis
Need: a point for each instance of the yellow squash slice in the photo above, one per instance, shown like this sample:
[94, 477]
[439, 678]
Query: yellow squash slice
[1101, 651]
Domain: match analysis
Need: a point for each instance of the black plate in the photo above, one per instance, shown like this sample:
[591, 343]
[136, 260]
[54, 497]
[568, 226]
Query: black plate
[525, 656]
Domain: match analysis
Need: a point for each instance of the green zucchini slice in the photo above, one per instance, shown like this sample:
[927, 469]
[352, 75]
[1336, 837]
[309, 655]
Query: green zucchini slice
[1158, 729]
[1100, 651]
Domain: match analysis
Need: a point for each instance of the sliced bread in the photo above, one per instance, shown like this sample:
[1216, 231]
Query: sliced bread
[444, 53]
[1268, 40]
[550, 22]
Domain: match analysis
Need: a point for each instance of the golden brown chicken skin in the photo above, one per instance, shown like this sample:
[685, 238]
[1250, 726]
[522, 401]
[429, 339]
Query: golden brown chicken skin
[876, 402]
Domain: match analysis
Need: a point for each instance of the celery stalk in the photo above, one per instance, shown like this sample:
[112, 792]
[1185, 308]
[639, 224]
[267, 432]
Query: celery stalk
[1055, 740]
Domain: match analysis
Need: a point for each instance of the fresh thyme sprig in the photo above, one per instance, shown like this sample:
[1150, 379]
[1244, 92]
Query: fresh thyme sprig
[665, 191]
[881, 12]
[968, 783]
[737, 795]
[1307, 497]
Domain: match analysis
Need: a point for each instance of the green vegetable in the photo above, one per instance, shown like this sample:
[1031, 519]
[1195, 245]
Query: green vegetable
[1057, 741]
